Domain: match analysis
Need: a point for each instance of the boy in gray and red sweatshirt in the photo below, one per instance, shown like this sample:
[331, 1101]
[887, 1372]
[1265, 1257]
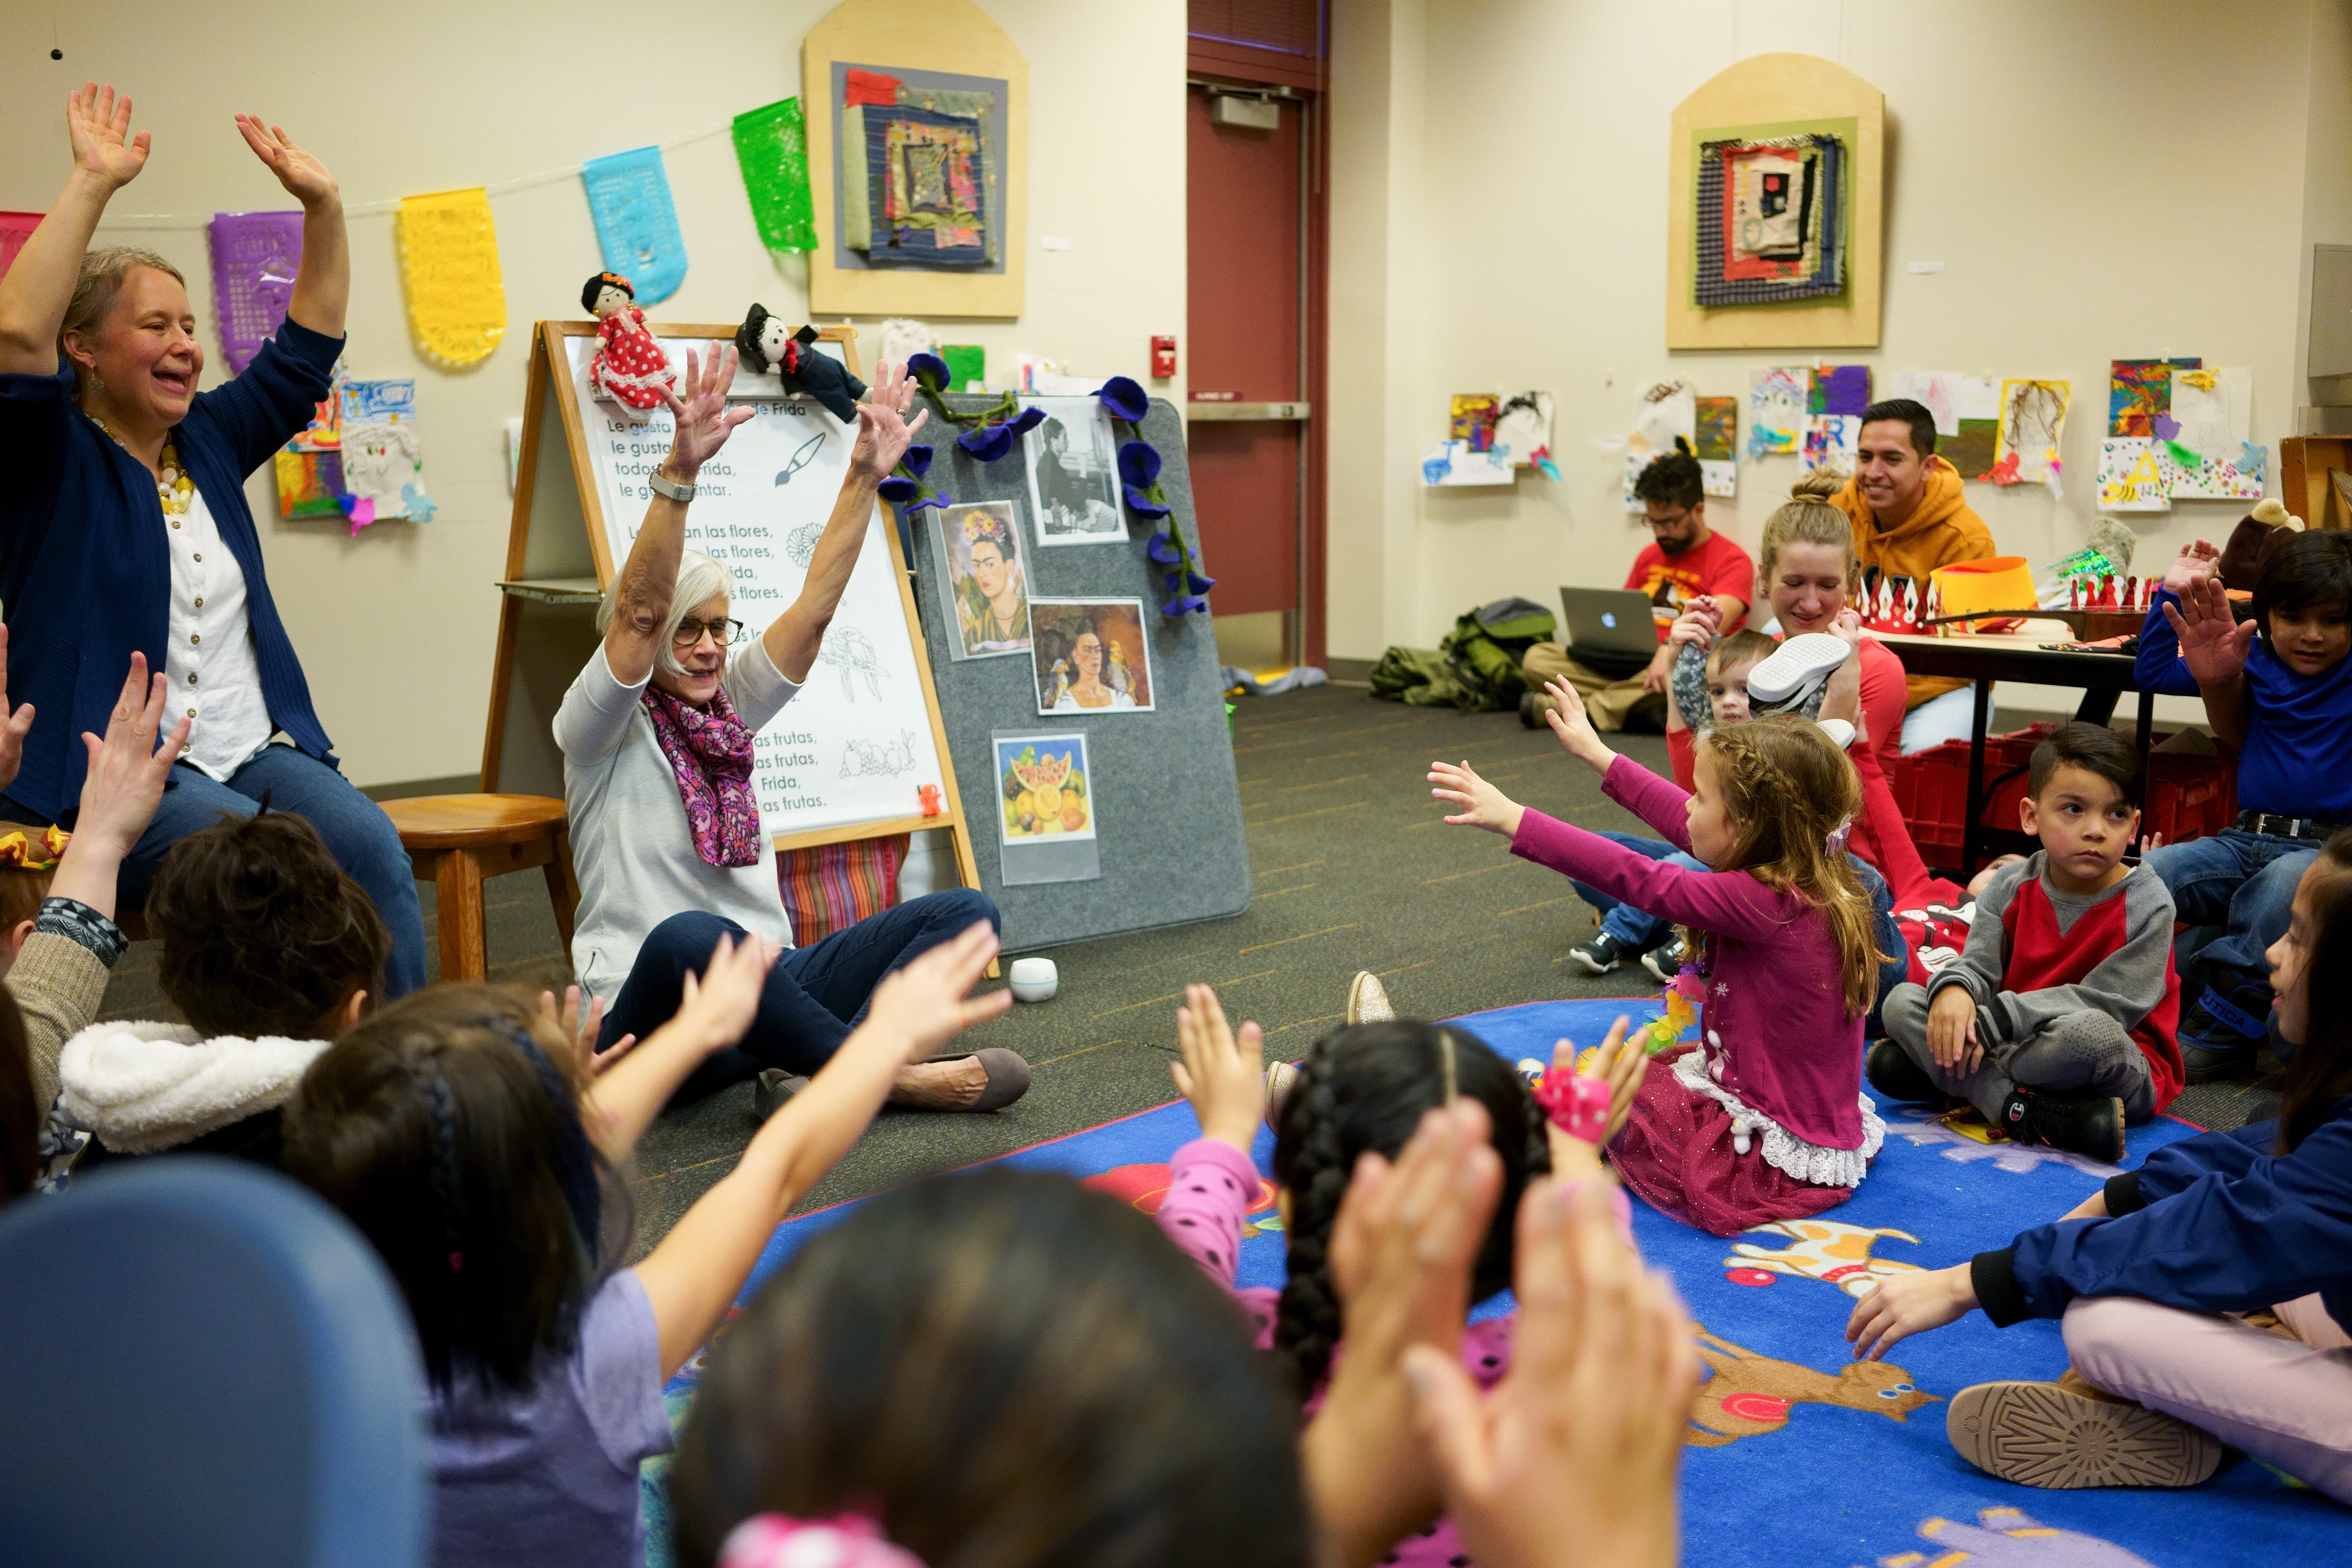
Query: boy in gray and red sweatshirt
[2058, 1021]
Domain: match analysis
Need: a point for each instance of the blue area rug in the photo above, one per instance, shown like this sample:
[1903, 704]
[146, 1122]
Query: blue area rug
[1798, 1456]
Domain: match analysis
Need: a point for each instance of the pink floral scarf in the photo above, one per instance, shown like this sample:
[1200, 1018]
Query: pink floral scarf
[710, 751]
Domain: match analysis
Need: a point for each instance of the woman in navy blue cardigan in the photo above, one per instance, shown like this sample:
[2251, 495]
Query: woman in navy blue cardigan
[123, 524]
[2146, 1272]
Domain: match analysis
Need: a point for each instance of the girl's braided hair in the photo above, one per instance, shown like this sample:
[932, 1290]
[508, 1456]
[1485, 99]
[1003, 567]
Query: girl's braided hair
[1366, 1087]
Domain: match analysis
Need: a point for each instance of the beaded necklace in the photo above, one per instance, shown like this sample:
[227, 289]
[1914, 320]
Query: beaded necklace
[174, 488]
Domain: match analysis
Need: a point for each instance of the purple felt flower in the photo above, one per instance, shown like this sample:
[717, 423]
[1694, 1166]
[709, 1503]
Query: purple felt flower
[1183, 606]
[988, 443]
[1139, 464]
[917, 461]
[1125, 399]
[1028, 419]
[1197, 583]
[897, 488]
[930, 372]
[930, 498]
[1141, 504]
[1162, 550]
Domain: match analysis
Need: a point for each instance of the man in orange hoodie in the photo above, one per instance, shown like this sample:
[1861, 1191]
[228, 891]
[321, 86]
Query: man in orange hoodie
[1909, 518]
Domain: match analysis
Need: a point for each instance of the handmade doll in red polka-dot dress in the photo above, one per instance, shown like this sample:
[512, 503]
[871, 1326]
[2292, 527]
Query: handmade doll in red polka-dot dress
[629, 368]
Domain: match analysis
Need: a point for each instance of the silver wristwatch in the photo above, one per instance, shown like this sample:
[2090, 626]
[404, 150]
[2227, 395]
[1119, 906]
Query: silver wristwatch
[677, 492]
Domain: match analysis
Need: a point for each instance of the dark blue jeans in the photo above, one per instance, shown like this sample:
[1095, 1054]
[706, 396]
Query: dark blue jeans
[2243, 883]
[815, 994]
[360, 838]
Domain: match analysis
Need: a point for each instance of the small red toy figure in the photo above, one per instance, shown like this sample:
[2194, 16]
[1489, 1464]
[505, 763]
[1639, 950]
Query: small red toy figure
[930, 795]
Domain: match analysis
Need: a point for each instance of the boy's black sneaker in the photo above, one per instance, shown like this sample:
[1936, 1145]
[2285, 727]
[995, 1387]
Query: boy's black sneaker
[1666, 960]
[2212, 1047]
[1599, 955]
[1893, 1073]
[2091, 1126]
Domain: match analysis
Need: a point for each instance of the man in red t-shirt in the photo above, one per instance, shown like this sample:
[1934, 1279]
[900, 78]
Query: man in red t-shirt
[1684, 560]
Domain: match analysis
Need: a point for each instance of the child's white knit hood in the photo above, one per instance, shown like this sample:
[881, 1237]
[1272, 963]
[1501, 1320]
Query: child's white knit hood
[144, 1088]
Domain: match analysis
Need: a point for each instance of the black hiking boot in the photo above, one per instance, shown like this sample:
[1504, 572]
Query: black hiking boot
[2091, 1126]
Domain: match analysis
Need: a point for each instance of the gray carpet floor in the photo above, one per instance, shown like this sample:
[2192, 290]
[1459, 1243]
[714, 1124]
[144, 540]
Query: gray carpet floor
[1352, 870]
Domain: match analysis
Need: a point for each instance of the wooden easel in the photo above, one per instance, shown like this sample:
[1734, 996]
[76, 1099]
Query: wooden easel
[558, 563]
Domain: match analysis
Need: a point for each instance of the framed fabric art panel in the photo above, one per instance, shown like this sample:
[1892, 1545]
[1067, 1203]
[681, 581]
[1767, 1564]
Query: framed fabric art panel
[1774, 222]
[918, 152]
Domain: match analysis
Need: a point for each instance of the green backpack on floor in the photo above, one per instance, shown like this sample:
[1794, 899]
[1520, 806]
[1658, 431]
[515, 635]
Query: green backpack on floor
[1476, 667]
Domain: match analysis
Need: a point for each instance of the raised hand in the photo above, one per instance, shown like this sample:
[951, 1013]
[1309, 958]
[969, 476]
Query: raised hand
[717, 1007]
[2213, 641]
[1617, 1062]
[1571, 1459]
[703, 419]
[1573, 725]
[127, 771]
[1697, 624]
[929, 1001]
[98, 124]
[305, 178]
[1222, 1076]
[1483, 805]
[2197, 562]
[581, 1020]
[16, 726]
[883, 431]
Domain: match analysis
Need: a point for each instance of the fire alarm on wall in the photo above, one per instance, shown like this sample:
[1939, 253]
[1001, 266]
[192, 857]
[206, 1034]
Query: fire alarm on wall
[1163, 356]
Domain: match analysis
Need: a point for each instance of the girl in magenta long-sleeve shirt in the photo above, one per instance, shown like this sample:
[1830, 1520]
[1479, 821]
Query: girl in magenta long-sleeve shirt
[1765, 1119]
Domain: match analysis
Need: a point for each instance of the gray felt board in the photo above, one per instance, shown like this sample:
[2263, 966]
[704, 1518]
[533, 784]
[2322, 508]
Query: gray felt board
[1168, 809]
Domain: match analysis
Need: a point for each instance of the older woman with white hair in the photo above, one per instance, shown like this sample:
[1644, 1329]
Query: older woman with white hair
[657, 736]
[124, 528]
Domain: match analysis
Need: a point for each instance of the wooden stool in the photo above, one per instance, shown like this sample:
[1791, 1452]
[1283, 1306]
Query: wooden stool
[453, 841]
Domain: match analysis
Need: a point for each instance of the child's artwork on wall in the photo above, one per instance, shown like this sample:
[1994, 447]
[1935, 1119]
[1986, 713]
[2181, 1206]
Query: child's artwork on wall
[1777, 401]
[1472, 420]
[2139, 395]
[1091, 655]
[2033, 417]
[982, 545]
[1523, 433]
[2128, 479]
[1073, 472]
[1718, 447]
[1831, 441]
[1664, 413]
[1047, 788]
[2212, 457]
[1447, 463]
[1951, 397]
[1839, 389]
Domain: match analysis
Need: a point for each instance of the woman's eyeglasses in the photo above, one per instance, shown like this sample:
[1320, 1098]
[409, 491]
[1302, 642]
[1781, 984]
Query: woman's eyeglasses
[690, 632]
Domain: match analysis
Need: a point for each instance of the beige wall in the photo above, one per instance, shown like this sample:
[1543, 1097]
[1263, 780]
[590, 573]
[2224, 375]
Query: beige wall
[2101, 178]
[396, 627]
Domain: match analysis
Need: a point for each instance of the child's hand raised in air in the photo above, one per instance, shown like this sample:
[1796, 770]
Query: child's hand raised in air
[1701, 619]
[1222, 1076]
[1952, 1031]
[1572, 1458]
[929, 1001]
[1573, 725]
[1483, 805]
[717, 1007]
[1620, 1064]
[579, 1020]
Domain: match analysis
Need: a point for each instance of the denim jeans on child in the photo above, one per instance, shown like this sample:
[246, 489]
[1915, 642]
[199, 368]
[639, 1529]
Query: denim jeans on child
[2243, 883]
[814, 995]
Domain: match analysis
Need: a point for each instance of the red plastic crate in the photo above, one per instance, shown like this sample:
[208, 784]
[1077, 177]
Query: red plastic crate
[2189, 796]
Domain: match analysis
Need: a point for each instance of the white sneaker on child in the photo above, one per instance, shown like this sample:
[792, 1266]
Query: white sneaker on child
[1840, 732]
[1795, 670]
